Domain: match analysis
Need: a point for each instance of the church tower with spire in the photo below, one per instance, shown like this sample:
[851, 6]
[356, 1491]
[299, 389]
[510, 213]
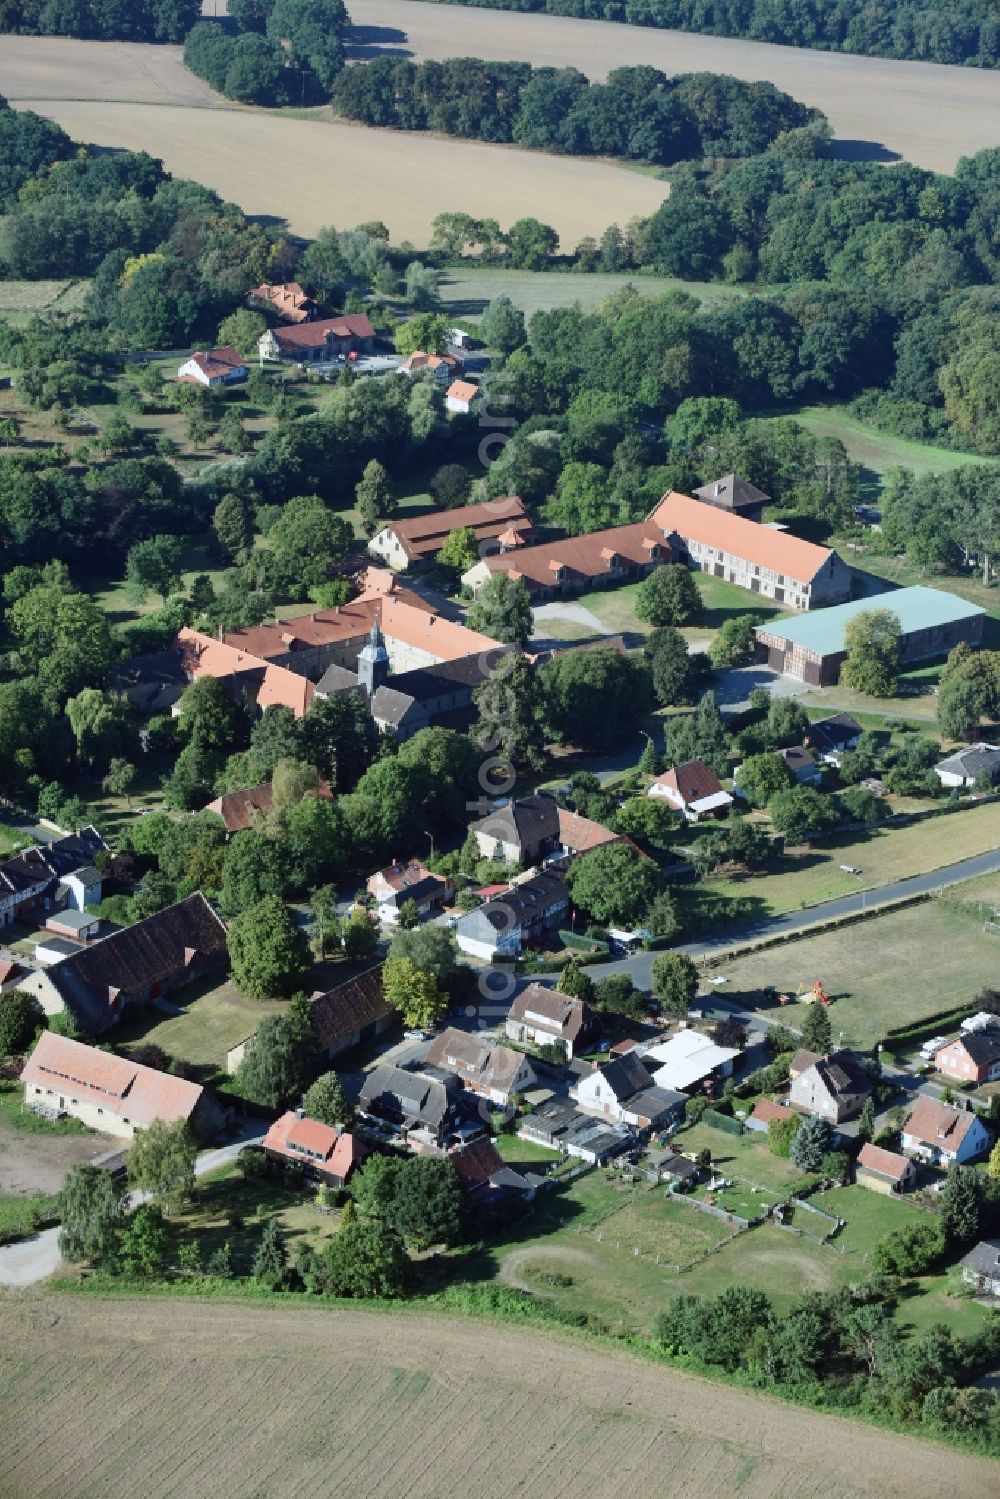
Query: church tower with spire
[373, 662]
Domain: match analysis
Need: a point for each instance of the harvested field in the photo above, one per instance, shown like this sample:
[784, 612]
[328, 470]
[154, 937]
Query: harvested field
[57, 67]
[928, 113]
[354, 174]
[306, 1401]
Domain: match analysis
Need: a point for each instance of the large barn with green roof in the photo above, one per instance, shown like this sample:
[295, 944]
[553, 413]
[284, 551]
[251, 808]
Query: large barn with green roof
[811, 646]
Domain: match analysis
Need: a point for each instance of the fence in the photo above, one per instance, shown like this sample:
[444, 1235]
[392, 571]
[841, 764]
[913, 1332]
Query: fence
[724, 1122]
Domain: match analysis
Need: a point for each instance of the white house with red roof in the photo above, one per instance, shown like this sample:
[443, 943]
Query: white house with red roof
[944, 1136]
[320, 340]
[693, 789]
[213, 368]
[460, 395]
[323, 1153]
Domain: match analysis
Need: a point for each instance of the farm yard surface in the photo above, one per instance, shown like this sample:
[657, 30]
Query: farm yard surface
[299, 1402]
[929, 113]
[357, 174]
[885, 973]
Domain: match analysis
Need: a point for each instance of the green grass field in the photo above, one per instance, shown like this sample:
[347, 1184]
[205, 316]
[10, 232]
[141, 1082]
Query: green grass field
[744, 1157]
[878, 451]
[467, 291]
[227, 1210]
[885, 973]
[615, 608]
[213, 1019]
[882, 854]
[868, 1216]
[20, 1216]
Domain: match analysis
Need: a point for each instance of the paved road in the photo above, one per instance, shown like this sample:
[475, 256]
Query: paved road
[640, 966]
[34, 1259]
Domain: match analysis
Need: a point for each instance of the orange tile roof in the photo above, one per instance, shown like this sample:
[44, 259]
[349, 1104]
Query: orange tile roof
[581, 834]
[692, 780]
[765, 1111]
[216, 363]
[238, 808]
[302, 1139]
[287, 298]
[462, 390]
[938, 1124]
[778, 551]
[586, 556]
[204, 656]
[127, 1089]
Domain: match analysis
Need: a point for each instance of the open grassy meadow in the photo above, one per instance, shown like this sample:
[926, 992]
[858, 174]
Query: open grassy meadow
[882, 854]
[468, 291]
[887, 972]
[926, 112]
[308, 1401]
[878, 451]
[355, 174]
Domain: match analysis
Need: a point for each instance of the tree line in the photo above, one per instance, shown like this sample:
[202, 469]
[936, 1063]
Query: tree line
[101, 20]
[639, 113]
[960, 31]
[283, 51]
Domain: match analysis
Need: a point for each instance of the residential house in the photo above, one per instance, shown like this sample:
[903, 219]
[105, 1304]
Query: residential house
[689, 1060]
[412, 881]
[580, 835]
[406, 543]
[134, 966]
[476, 1161]
[693, 789]
[834, 1087]
[735, 494]
[110, 1093]
[525, 831]
[830, 738]
[412, 1102]
[485, 1068]
[444, 367]
[801, 765]
[944, 1136]
[461, 396]
[973, 1058]
[286, 298]
[773, 563]
[506, 924]
[801, 1060]
[813, 648]
[762, 1114]
[979, 762]
[606, 1090]
[678, 1172]
[323, 1154]
[214, 368]
[320, 340]
[239, 809]
[47, 877]
[884, 1170]
[554, 569]
[544, 1017]
[981, 1267]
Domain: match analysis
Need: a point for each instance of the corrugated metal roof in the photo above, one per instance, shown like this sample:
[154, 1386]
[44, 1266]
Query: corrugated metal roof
[822, 630]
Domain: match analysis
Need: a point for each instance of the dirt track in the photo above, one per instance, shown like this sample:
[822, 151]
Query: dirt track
[315, 172]
[928, 113]
[108, 1399]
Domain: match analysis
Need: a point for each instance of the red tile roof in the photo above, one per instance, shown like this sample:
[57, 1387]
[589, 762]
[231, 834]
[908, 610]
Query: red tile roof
[215, 364]
[476, 1162]
[126, 1089]
[587, 556]
[766, 1110]
[353, 325]
[883, 1162]
[398, 618]
[777, 551]
[692, 781]
[287, 298]
[350, 1007]
[938, 1124]
[309, 1142]
[462, 390]
[238, 808]
[580, 835]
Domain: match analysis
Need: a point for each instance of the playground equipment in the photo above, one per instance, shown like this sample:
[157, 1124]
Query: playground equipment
[816, 995]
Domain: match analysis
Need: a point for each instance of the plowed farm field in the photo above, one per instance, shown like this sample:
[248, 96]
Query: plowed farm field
[315, 172]
[100, 1399]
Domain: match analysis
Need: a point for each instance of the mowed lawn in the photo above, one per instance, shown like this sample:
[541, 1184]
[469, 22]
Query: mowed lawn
[868, 1216]
[883, 855]
[879, 451]
[211, 1020]
[615, 607]
[885, 973]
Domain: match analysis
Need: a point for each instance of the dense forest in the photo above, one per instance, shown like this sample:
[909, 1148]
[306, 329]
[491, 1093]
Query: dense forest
[638, 113]
[955, 31]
